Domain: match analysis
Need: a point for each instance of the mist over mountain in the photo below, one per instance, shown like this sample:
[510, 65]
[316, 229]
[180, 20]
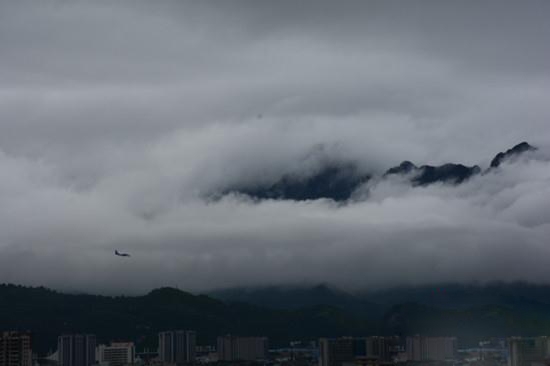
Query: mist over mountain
[338, 182]
[332, 182]
[407, 222]
[452, 296]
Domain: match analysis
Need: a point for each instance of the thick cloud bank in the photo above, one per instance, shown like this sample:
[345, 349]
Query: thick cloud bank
[118, 119]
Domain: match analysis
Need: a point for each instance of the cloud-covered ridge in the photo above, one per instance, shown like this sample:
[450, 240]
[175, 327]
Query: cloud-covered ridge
[339, 181]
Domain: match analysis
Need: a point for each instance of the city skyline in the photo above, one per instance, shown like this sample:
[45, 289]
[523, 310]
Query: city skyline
[81, 350]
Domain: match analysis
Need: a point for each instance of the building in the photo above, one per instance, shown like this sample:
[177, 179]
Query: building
[383, 349]
[337, 351]
[357, 351]
[177, 346]
[420, 348]
[528, 351]
[117, 354]
[15, 349]
[233, 348]
[367, 361]
[76, 350]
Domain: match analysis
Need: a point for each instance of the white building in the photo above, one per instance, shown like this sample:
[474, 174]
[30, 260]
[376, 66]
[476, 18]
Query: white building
[117, 354]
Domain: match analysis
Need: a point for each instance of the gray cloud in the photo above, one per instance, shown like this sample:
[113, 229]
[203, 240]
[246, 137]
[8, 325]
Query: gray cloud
[117, 117]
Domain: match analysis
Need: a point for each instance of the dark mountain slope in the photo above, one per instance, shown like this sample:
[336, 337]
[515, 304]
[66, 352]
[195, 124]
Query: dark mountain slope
[405, 167]
[520, 295]
[331, 182]
[48, 314]
[427, 174]
[294, 297]
[511, 153]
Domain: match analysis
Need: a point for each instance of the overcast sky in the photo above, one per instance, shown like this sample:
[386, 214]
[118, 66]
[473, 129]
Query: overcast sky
[119, 118]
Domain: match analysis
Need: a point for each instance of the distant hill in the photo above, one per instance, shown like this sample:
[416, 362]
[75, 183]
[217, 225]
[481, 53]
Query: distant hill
[297, 297]
[339, 181]
[48, 314]
[519, 295]
[452, 296]
[469, 325]
[470, 312]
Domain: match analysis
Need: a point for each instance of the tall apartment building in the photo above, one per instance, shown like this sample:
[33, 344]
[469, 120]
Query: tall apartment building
[420, 348]
[336, 351]
[528, 351]
[116, 354]
[76, 350]
[233, 348]
[384, 349]
[15, 349]
[177, 346]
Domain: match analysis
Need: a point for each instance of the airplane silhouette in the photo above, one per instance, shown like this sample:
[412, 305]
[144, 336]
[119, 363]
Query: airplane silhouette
[121, 254]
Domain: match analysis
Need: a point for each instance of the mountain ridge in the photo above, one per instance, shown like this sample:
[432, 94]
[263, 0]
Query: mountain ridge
[48, 314]
[338, 182]
[511, 153]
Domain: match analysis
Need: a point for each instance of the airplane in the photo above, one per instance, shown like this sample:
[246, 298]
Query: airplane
[121, 254]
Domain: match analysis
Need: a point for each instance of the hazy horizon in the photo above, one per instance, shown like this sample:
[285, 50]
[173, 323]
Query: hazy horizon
[221, 293]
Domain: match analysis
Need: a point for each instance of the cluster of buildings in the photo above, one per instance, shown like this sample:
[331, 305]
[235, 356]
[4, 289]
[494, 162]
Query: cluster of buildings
[82, 350]
[419, 350]
[349, 351]
[179, 347]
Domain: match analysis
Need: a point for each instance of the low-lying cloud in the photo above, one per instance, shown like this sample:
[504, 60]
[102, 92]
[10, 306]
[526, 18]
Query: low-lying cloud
[118, 120]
